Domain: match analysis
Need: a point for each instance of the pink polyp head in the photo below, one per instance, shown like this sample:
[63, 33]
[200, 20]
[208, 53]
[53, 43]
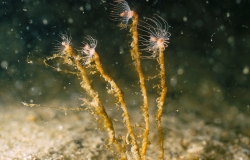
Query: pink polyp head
[89, 47]
[86, 47]
[153, 39]
[64, 45]
[155, 35]
[89, 51]
[121, 12]
[160, 44]
[127, 14]
[160, 41]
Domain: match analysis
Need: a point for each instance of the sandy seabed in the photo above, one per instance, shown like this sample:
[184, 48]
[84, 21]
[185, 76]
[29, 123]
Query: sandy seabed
[41, 133]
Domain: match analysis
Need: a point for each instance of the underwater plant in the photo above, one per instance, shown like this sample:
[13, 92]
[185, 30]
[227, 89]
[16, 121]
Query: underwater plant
[154, 40]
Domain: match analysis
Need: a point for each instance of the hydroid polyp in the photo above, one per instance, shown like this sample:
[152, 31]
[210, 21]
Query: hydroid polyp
[62, 46]
[121, 12]
[89, 46]
[155, 35]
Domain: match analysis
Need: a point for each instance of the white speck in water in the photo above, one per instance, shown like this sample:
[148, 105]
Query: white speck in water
[180, 71]
[45, 21]
[222, 27]
[230, 40]
[218, 29]
[185, 19]
[70, 20]
[30, 62]
[88, 6]
[81, 8]
[245, 70]
[4, 64]
[60, 127]
[212, 36]
[18, 85]
[121, 50]
[173, 81]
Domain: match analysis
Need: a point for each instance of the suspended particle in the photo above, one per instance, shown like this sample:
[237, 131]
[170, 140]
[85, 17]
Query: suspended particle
[185, 19]
[70, 20]
[245, 70]
[45, 21]
[4, 64]
[88, 6]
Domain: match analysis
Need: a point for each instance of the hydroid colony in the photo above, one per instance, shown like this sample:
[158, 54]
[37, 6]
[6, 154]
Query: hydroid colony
[154, 39]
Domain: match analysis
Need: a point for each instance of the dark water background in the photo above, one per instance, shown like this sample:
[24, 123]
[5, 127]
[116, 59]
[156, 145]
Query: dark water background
[207, 58]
